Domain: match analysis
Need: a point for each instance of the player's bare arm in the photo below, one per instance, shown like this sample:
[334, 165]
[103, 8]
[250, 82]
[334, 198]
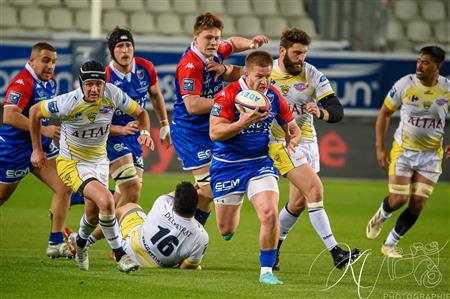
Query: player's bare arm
[131, 128]
[381, 126]
[222, 129]
[241, 44]
[144, 126]
[292, 135]
[38, 157]
[196, 105]
[160, 109]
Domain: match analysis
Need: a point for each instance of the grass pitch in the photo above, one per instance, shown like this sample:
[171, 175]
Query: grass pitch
[231, 269]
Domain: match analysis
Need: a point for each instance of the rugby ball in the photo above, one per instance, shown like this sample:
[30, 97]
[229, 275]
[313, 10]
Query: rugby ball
[251, 100]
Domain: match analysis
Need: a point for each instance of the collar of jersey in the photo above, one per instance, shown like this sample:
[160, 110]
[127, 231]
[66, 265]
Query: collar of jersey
[199, 54]
[33, 74]
[122, 75]
[245, 87]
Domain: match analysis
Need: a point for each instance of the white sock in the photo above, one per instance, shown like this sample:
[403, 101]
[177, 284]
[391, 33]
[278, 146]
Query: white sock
[111, 230]
[287, 221]
[265, 270]
[321, 224]
[86, 228]
[91, 240]
[393, 238]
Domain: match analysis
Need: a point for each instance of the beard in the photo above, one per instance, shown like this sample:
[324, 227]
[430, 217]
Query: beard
[291, 68]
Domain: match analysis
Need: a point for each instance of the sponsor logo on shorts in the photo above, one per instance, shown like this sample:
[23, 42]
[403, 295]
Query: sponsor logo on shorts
[18, 173]
[204, 155]
[227, 185]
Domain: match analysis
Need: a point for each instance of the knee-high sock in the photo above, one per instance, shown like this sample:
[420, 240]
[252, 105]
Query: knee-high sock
[404, 223]
[321, 224]
[287, 221]
[85, 230]
[111, 230]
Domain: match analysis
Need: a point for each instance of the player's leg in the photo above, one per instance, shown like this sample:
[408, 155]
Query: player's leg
[400, 174]
[202, 180]
[428, 169]
[194, 151]
[6, 190]
[59, 208]
[289, 215]
[228, 215]
[263, 194]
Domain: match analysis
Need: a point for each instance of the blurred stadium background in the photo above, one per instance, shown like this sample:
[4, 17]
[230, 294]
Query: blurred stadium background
[362, 46]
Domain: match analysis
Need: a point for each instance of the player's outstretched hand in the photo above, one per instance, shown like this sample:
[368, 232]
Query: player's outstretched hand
[51, 131]
[147, 141]
[447, 151]
[292, 137]
[38, 158]
[131, 128]
[164, 135]
[382, 159]
[258, 41]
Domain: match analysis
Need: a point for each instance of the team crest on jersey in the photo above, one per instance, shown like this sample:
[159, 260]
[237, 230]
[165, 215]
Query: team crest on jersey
[14, 97]
[140, 74]
[441, 101]
[284, 89]
[270, 97]
[427, 105]
[40, 92]
[301, 86]
[215, 111]
[188, 84]
[91, 116]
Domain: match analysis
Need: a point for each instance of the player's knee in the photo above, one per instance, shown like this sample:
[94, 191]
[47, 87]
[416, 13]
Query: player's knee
[398, 195]
[297, 206]
[125, 173]
[225, 228]
[105, 202]
[130, 191]
[269, 217]
[422, 190]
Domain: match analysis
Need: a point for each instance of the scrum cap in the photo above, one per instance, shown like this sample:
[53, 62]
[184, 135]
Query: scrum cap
[92, 70]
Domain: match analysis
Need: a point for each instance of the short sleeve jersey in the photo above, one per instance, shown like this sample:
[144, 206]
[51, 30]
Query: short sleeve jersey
[191, 78]
[172, 238]
[308, 86]
[252, 142]
[85, 126]
[136, 84]
[25, 90]
[423, 111]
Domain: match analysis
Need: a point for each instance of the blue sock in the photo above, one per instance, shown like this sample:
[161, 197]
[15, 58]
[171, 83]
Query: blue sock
[201, 216]
[76, 199]
[56, 238]
[267, 257]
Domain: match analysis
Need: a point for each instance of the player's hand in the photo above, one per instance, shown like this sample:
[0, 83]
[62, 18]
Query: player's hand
[312, 108]
[248, 118]
[258, 41]
[164, 135]
[447, 151]
[146, 140]
[292, 138]
[217, 68]
[38, 158]
[383, 159]
[130, 129]
[51, 131]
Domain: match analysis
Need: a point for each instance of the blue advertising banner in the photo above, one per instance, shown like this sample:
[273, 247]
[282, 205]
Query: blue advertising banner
[361, 80]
